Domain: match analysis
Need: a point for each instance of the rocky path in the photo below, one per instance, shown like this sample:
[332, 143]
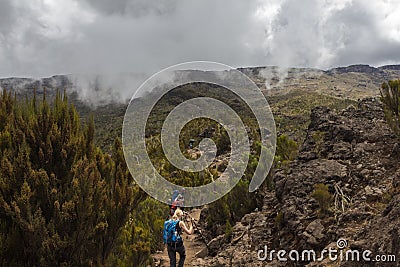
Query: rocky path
[193, 244]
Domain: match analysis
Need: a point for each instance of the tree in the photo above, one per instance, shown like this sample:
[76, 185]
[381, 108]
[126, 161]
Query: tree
[62, 200]
[141, 235]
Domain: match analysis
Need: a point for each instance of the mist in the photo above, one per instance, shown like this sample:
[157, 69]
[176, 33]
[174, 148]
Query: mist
[124, 42]
[108, 88]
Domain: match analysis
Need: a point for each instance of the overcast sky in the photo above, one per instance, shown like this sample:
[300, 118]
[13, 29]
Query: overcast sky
[47, 37]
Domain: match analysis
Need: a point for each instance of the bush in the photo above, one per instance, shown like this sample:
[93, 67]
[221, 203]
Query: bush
[390, 96]
[279, 220]
[142, 234]
[322, 196]
[286, 150]
[232, 207]
[318, 138]
[228, 230]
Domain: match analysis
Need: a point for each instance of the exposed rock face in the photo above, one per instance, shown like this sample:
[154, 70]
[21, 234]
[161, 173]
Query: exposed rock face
[351, 152]
[357, 68]
[390, 67]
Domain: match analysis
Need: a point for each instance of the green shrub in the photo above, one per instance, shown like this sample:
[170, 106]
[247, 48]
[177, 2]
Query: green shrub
[286, 149]
[279, 220]
[390, 96]
[322, 196]
[318, 138]
[228, 230]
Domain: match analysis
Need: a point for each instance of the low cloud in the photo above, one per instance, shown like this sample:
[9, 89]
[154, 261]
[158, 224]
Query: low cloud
[43, 38]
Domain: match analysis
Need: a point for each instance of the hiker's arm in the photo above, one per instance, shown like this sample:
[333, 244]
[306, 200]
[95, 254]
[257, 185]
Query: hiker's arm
[184, 228]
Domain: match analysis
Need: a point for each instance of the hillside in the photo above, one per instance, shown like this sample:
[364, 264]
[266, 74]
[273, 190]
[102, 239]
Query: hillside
[354, 152]
[292, 94]
[347, 154]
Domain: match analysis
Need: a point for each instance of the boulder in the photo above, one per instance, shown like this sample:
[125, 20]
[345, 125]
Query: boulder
[202, 253]
[373, 193]
[215, 244]
[314, 233]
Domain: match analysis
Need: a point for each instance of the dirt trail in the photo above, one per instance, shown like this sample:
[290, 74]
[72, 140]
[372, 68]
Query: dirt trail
[193, 244]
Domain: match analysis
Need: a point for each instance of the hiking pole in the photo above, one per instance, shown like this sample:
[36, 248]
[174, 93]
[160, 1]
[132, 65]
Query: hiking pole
[201, 234]
[197, 228]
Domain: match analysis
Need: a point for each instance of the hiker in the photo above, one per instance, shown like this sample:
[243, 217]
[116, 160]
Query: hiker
[177, 201]
[173, 229]
[175, 194]
[191, 143]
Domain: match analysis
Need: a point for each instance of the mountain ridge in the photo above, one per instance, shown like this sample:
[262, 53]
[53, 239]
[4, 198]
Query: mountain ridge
[69, 82]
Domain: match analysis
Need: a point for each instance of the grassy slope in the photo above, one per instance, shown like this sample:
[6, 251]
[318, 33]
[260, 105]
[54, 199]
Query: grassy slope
[291, 113]
[292, 110]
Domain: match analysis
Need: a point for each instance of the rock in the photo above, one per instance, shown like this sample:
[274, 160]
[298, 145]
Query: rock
[215, 244]
[377, 172]
[352, 153]
[310, 239]
[396, 179]
[365, 173]
[247, 220]
[292, 223]
[202, 253]
[309, 155]
[340, 150]
[355, 216]
[372, 193]
[314, 232]
[221, 166]
[359, 245]
[222, 261]
[199, 262]
[382, 234]
[395, 151]
[345, 133]
[316, 229]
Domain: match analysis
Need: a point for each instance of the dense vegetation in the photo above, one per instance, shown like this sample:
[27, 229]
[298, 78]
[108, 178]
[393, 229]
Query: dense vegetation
[62, 200]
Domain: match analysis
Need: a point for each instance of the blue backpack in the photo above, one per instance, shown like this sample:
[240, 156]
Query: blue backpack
[175, 194]
[171, 232]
